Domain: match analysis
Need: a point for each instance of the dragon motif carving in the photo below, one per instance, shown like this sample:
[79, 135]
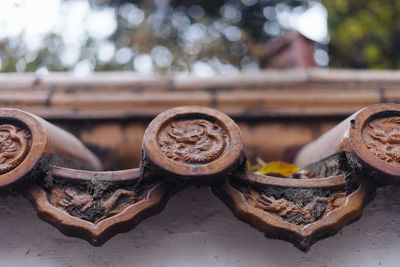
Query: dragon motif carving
[297, 214]
[193, 141]
[14, 146]
[382, 137]
[87, 206]
[300, 206]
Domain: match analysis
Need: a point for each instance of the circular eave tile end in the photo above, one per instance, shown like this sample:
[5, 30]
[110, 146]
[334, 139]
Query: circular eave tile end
[375, 138]
[22, 143]
[193, 142]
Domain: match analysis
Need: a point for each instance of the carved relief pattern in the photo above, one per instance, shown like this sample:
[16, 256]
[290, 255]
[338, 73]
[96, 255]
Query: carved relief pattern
[87, 206]
[382, 137]
[296, 214]
[14, 146]
[193, 141]
[300, 206]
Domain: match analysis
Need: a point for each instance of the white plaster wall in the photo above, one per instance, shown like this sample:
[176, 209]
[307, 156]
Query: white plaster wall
[196, 229]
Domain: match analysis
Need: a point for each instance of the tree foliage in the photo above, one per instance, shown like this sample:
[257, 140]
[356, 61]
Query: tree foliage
[168, 35]
[364, 33]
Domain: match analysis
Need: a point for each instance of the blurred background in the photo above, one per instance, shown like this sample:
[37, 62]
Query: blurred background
[201, 37]
[196, 36]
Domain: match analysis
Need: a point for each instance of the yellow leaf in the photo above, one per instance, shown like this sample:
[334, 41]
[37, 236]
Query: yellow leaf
[278, 167]
[252, 168]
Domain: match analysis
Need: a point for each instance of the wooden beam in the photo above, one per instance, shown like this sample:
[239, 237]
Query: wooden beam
[272, 93]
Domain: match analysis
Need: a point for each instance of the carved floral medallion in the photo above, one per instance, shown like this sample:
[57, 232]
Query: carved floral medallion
[14, 146]
[193, 141]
